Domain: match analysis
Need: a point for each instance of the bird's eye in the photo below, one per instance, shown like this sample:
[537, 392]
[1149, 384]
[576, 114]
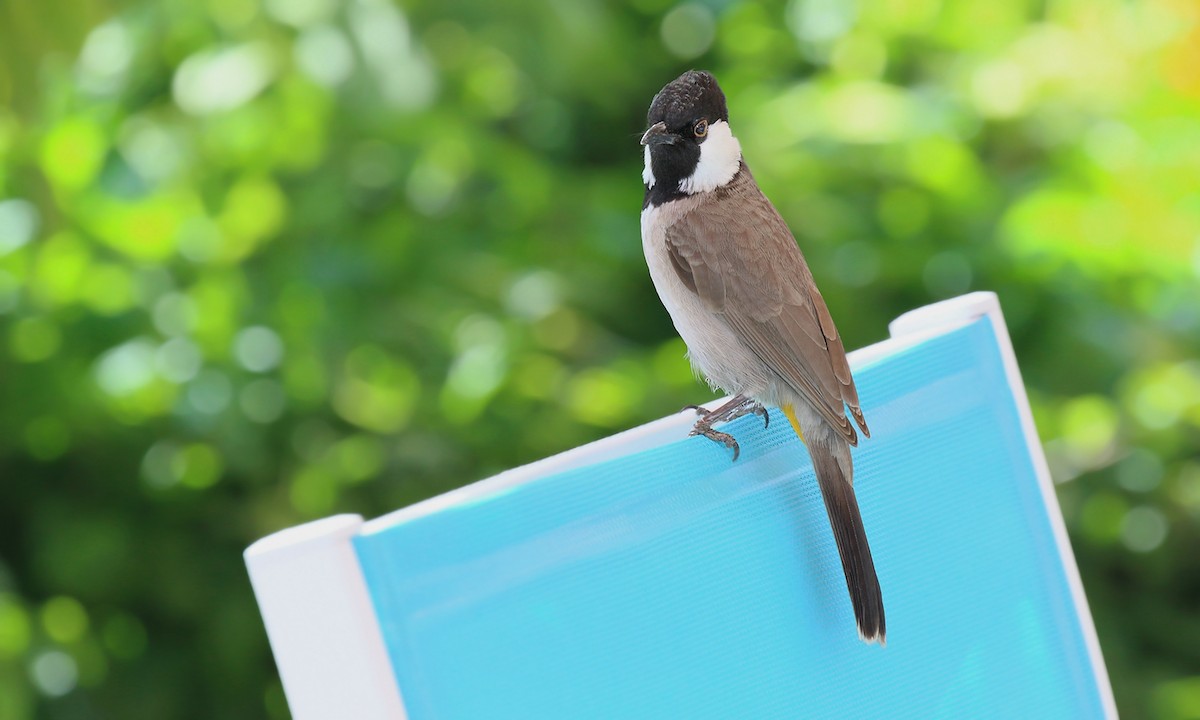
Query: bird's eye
[700, 129]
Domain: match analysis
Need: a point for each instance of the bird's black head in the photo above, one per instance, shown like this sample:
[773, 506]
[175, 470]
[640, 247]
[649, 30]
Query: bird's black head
[689, 147]
[689, 97]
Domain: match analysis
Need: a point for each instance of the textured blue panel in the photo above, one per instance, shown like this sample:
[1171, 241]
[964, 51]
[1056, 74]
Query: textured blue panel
[676, 584]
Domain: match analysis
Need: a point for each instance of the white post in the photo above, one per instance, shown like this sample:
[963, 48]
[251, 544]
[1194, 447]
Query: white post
[321, 624]
[965, 309]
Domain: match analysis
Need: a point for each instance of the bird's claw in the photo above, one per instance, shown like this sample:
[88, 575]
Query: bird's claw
[716, 436]
[735, 408]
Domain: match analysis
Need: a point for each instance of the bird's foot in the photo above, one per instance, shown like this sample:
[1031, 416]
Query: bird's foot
[756, 408]
[725, 439]
[735, 408]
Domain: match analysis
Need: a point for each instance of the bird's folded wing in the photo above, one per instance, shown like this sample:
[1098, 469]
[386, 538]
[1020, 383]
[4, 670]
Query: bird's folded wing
[739, 257]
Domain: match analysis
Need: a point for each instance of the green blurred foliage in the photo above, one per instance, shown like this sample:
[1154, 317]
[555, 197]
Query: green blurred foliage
[264, 261]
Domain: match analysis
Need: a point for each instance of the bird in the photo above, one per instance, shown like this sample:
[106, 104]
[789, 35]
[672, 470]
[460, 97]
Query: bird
[730, 274]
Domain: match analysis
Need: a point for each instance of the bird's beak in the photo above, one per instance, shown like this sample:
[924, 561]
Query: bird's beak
[658, 135]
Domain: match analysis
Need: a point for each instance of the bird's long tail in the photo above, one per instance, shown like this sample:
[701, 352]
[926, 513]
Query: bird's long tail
[835, 478]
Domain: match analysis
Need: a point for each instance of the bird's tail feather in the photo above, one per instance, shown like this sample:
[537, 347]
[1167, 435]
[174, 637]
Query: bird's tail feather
[841, 505]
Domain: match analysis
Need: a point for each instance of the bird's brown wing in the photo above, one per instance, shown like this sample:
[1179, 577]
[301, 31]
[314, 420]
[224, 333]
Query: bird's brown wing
[738, 255]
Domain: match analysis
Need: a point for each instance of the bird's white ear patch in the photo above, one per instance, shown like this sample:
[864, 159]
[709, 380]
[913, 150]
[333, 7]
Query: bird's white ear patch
[720, 157]
[648, 172]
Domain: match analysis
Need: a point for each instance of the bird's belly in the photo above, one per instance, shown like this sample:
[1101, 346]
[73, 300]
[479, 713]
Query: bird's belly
[713, 348]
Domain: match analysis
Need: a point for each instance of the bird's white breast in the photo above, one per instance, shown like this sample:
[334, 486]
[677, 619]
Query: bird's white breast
[713, 349]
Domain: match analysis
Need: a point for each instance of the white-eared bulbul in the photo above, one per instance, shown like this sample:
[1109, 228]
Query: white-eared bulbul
[729, 272]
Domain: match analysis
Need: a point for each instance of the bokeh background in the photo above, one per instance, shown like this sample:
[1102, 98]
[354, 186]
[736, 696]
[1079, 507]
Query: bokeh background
[267, 260]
